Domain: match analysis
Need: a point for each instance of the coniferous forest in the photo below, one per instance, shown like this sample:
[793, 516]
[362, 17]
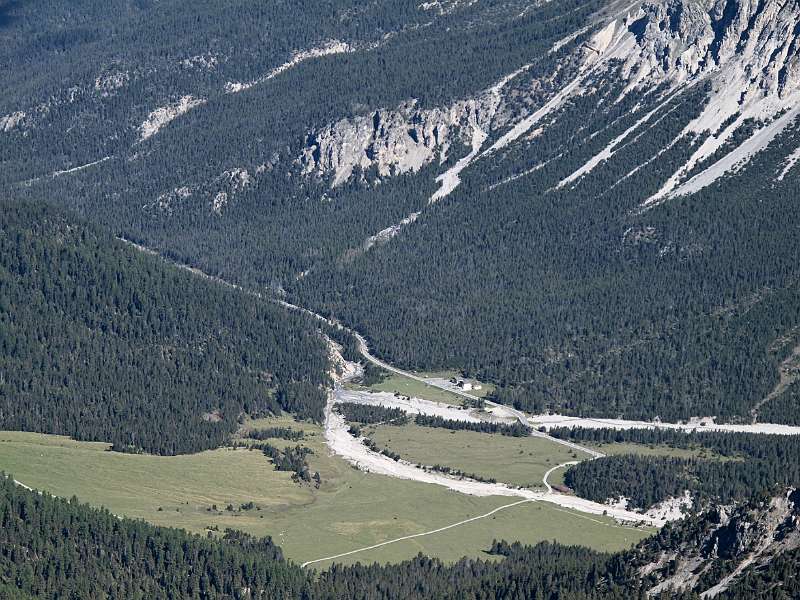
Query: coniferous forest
[726, 470]
[103, 343]
[590, 205]
[51, 548]
[582, 303]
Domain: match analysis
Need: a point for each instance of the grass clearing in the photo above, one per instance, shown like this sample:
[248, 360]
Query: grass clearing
[411, 387]
[557, 476]
[439, 374]
[517, 461]
[486, 388]
[616, 448]
[351, 509]
[537, 521]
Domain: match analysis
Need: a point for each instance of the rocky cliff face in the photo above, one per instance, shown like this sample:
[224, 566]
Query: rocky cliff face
[746, 51]
[753, 40]
[399, 140]
[724, 544]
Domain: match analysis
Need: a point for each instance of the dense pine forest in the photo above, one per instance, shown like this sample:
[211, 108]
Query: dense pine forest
[579, 301]
[729, 466]
[367, 414]
[51, 548]
[538, 289]
[515, 429]
[101, 342]
[281, 433]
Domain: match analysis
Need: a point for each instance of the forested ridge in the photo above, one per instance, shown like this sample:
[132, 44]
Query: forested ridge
[101, 342]
[568, 298]
[734, 465]
[51, 548]
[690, 313]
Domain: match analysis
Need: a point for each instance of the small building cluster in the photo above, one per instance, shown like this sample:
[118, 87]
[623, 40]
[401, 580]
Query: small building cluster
[465, 385]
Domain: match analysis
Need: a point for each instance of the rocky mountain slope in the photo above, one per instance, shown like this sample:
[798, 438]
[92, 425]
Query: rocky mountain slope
[591, 204]
[745, 53]
[713, 553]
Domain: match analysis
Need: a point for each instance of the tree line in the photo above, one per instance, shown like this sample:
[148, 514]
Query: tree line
[729, 466]
[88, 553]
[281, 433]
[515, 429]
[371, 414]
[103, 343]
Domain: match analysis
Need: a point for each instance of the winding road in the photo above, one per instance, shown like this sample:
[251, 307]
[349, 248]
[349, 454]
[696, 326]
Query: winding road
[363, 348]
[556, 468]
[342, 443]
[351, 449]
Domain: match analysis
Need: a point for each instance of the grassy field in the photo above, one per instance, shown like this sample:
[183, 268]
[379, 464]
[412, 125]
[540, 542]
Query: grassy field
[517, 461]
[486, 388]
[537, 521]
[439, 374]
[557, 476]
[660, 450]
[351, 510]
[412, 387]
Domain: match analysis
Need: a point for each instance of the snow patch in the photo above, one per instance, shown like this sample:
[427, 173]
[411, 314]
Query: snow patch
[734, 160]
[527, 123]
[609, 150]
[749, 59]
[520, 175]
[610, 43]
[80, 168]
[566, 40]
[450, 180]
[386, 234]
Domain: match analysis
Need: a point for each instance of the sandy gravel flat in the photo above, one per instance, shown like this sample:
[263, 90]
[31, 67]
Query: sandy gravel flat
[699, 424]
[413, 406]
[341, 443]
